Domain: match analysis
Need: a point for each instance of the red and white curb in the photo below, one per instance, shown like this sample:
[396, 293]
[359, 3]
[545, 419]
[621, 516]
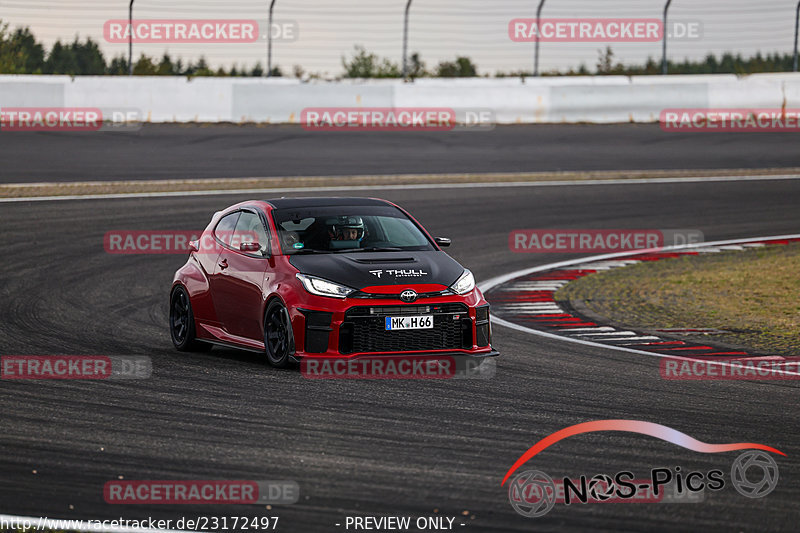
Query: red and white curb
[524, 301]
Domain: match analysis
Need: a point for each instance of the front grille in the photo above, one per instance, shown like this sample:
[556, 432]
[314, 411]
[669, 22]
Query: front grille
[364, 329]
[405, 310]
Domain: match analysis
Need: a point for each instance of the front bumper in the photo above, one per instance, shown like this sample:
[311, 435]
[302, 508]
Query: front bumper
[355, 327]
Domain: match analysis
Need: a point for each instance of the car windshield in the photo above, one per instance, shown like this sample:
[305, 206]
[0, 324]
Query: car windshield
[343, 229]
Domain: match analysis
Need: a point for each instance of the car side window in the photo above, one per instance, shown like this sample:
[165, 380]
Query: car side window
[224, 230]
[249, 228]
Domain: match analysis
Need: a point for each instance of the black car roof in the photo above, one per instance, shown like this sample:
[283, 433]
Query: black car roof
[293, 203]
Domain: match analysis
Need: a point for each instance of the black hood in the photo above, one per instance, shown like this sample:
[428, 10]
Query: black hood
[365, 269]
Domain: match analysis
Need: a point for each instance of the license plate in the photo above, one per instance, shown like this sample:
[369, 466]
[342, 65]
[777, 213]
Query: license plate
[409, 322]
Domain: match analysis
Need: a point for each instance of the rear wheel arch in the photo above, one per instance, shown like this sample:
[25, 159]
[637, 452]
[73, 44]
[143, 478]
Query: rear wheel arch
[182, 324]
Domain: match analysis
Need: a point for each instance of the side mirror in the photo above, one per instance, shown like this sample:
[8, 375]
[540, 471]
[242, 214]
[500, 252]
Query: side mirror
[444, 242]
[194, 246]
[250, 247]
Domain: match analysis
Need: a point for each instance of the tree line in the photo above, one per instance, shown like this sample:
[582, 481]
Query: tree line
[22, 53]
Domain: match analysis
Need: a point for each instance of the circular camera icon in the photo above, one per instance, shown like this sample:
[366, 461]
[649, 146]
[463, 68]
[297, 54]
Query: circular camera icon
[754, 474]
[601, 487]
[532, 493]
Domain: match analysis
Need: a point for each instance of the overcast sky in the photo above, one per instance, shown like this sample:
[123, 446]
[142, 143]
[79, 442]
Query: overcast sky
[439, 29]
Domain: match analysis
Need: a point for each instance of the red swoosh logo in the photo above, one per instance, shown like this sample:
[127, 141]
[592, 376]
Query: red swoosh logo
[635, 426]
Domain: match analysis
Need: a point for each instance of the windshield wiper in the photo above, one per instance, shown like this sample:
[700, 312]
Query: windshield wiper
[372, 249]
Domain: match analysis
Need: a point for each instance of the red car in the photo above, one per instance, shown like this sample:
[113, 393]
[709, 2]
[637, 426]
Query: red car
[325, 277]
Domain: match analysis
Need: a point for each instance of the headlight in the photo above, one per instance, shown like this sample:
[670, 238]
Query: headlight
[323, 287]
[464, 284]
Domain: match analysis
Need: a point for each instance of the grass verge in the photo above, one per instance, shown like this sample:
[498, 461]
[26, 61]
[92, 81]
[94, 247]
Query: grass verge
[753, 296]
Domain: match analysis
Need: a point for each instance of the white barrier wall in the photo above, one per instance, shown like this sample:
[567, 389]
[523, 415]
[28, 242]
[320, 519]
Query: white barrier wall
[601, 99]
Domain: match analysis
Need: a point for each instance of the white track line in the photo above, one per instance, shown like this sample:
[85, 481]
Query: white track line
[499, 280]
[562, 183]
[628, 339]
[610, 334]
[576, 330]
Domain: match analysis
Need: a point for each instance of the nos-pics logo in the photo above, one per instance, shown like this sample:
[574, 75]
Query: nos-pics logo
[533, 493]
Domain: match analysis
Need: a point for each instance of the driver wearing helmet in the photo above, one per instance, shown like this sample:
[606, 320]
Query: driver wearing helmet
[347, 228]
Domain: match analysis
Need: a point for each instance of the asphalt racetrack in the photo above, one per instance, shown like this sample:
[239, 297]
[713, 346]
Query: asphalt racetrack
[218, 151]
[399, 448]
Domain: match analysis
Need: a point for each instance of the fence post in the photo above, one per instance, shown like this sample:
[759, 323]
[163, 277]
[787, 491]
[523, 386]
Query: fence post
[130, 39]
[269, 39]
[538, 33]
[664, 66]
[796, 29]
[405, 42]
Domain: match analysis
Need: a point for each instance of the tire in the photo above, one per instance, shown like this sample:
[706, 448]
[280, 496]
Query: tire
[181, 323]
[278, 335]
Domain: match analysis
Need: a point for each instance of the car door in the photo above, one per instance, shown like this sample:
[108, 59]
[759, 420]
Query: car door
[209, 247]
[239, 277]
